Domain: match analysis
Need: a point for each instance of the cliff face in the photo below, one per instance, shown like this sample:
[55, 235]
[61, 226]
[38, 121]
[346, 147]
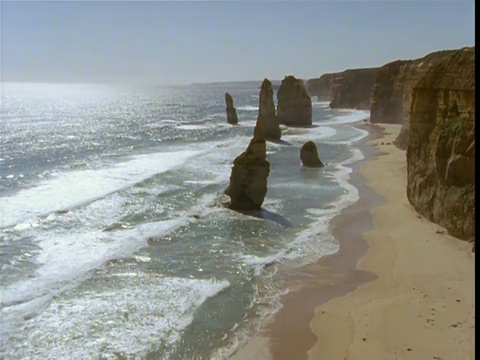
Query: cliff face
[387, 93]
[441, 149]
[294, 104]
[321, 87]
[352, 89]
[393, 89]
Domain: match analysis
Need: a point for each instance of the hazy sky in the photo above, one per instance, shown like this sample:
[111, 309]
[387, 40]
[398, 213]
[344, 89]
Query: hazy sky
[183, 42]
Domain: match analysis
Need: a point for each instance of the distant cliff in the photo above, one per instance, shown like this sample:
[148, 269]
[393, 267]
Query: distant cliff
[441, 149]
[393, 89]
[352, 89]
[321, 87]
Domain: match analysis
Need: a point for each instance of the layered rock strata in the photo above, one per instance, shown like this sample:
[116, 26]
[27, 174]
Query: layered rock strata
[309, 155]
[267, 122]
[352, 89]
[232, 117]
[441, 149]
[321, 87]
[294, 104]
[393, 89]
[248, 181]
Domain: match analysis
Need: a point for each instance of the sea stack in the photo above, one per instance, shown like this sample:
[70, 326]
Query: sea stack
[248, 180]
[232, 117]
[309, 155]
[267, 122]
[294, 104]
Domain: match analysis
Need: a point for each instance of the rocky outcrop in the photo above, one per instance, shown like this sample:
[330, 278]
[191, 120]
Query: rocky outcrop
[294, 104]
[248, 180]
[267, 122]
[274, 86]
[309, 155]
[232, 117]
[352, 89]
[441, 149]
[393, 89]
[321, 87]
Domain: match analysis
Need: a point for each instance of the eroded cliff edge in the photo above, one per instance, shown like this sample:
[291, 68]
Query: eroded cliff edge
[350, 89]
[393, 89]
[441, 148]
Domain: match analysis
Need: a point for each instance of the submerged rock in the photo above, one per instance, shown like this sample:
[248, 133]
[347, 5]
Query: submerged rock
[248, 180]
[232, 117]
[267, 122]
[309, 155]
[294, 103]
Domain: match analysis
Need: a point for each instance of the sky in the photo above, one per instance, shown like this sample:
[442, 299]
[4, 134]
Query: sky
[180, 42]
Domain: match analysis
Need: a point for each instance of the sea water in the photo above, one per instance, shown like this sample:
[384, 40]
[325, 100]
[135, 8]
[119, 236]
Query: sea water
[113, 240]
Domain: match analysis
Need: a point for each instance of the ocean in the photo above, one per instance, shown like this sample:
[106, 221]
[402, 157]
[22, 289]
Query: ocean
[113, 240]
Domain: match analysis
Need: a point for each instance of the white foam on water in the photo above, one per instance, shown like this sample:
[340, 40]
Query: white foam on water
[259, 262]
[317, 239]
[71, 189]
[248, 108]
[132, 314]
[316, 133]
[66, 257]
[321, 104]
[193, 127]
[350, 116]
[359, 135]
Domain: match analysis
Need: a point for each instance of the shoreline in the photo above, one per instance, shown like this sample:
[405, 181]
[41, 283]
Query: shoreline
[422, 304]
[395, 300]
[289, 336]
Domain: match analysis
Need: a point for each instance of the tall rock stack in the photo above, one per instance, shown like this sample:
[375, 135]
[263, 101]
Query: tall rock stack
[248, 180]
[441, 149]
[294, 104]
[232, 117]
[267, 122]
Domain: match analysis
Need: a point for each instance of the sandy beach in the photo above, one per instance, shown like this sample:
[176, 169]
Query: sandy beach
[399, 287]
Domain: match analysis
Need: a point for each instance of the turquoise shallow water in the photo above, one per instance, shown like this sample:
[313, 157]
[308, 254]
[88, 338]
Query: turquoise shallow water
[112, 243]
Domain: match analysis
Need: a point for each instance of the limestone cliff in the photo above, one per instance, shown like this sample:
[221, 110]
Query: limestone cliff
[441, 149]
[294, 104]
[267, 122]
[393, 89]
[352, 89]
[321, 87]
[248, 180]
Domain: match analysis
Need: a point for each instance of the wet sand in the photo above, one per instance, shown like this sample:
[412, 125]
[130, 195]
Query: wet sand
[399, 287]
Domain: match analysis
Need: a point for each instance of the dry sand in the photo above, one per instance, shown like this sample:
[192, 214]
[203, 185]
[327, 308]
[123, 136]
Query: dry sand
[422, 304]
[410, 296]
